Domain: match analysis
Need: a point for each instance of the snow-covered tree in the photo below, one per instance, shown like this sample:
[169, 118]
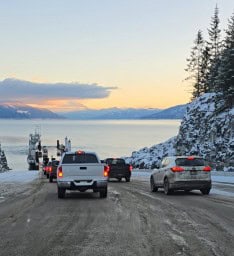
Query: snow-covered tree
[225, 79]
[194, 63]
[215, 46]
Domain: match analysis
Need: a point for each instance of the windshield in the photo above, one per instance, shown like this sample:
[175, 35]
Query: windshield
[79, 158]
[190, 162]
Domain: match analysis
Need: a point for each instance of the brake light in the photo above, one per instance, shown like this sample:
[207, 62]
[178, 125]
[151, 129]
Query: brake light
[177, 169]
[106, 170]
[130, 168]
[207, 169]
[50, 169]
[190, 157]
[60, 172]
[80, 152]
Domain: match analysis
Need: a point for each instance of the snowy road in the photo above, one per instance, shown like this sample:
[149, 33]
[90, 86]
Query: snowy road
[131, 221]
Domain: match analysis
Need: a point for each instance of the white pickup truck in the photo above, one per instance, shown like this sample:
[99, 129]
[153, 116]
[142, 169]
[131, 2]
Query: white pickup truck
[81, 171]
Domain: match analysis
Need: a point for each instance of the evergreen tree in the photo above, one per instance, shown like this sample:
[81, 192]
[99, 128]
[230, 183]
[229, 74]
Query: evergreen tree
[205, 70]
[194, 65]
[215, 45]
[225, 80]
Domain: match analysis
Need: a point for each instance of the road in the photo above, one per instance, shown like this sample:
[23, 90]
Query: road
[130, 221]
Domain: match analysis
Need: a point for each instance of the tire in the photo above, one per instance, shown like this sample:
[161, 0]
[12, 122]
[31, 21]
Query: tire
[44, 173]
[119, 179]
[166, 186]
[127, 179]
[51, 179]
[61, 192]
[205, 191]
[47, 176]
[103, 193]
[153, 188]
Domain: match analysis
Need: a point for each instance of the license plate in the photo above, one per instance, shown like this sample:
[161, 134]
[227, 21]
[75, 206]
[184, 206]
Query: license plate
[193, 172]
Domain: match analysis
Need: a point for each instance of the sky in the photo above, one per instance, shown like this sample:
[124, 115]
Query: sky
[74, 54]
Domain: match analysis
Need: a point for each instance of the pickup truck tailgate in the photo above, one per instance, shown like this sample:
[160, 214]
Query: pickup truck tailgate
[82, 170]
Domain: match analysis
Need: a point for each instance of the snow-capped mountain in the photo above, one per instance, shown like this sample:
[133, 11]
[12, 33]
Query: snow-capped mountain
[203, 131]
[110, 113]
[18, 111]
[176, 112]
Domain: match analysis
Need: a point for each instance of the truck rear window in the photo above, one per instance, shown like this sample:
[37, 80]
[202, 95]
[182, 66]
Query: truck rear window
[79, 158]
[190, 162]
[118, 161]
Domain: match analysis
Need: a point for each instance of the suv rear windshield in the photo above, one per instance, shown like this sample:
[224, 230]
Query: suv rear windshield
[190, 162]
[79, 158]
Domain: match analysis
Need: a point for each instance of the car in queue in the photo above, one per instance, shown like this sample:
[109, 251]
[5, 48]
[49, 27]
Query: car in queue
[118, 169]
[53, 170]
[47, 168]
[182, 173]
[81, 171]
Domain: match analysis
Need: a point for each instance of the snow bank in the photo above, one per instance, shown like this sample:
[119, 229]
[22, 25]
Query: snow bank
[20, 176]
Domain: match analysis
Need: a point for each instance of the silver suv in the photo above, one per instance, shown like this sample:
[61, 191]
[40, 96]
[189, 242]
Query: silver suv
[182, 173]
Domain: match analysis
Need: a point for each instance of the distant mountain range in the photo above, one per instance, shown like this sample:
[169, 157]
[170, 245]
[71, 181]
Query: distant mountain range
[176, 112]
[110, 113]
[19, 111]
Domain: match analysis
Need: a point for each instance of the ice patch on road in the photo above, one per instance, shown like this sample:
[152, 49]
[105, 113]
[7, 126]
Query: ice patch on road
[179, 240]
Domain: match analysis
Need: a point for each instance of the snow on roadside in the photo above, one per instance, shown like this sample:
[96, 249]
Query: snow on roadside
[15, 182]
[20, 176]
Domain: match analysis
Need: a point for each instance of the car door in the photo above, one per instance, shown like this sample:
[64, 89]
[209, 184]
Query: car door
[161, 171]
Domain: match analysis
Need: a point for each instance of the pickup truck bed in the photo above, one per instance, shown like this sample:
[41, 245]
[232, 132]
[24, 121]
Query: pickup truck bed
[81, 171]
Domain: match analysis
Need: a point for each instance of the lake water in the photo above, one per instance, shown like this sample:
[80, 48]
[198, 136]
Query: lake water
[109, 138]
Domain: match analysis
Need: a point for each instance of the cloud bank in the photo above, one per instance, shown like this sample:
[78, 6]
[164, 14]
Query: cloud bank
[31, 92]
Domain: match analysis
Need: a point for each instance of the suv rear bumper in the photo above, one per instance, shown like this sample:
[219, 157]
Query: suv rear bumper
[198, 184]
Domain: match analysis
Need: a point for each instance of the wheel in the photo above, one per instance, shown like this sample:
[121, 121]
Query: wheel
[153, 188]
[127, 179]
[51, 179]
[61, 192]
[44, 172]
[103, 193]
[166, 186]
[47, 176]
[205, 191]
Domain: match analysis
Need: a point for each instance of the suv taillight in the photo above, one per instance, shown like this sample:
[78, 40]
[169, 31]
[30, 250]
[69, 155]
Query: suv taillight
[130, 168]
[60, 172]
[207, 169]
[106, 170]
[177, 169]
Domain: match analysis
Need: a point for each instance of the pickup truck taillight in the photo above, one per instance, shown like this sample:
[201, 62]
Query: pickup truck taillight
[106, 170]
[60, 172]
[130, 168]
[177, 169]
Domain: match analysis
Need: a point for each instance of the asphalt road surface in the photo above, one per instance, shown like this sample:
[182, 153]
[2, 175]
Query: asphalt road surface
[130, 221]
